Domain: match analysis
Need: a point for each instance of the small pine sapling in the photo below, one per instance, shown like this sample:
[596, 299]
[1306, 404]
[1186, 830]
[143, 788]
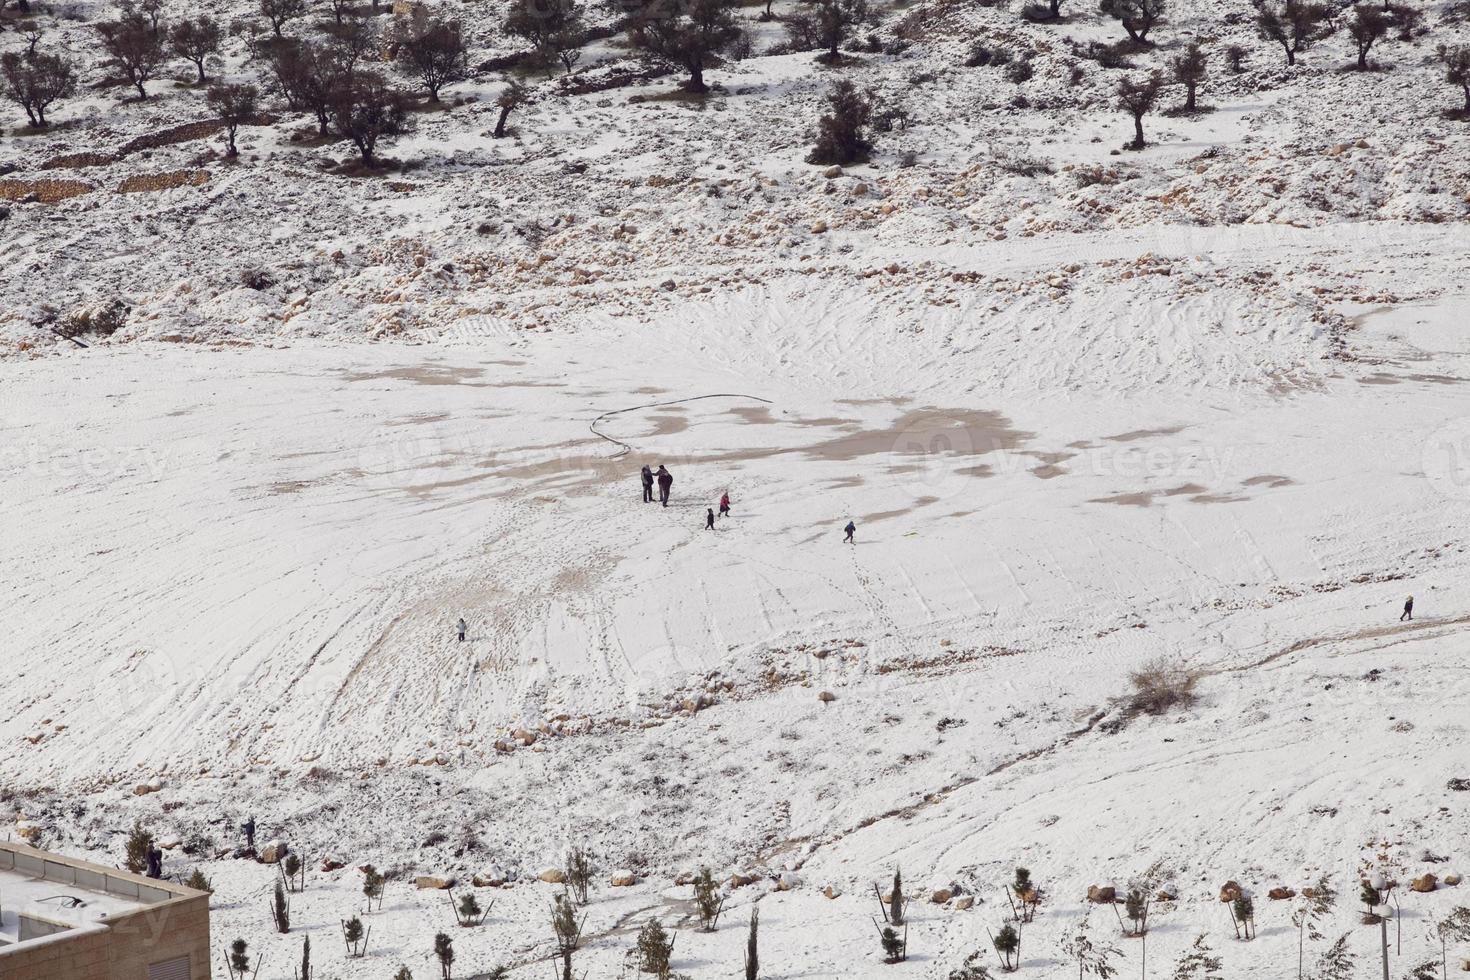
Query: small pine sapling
[579, 874]
[1243, 910]
[356, 937]
[1007, 943]
[655, 949]
[444, 953]
[1135, 906]
[752, 952]
[467, 911]
[568, 931]
[1027, 893]
[708, 901]
[293, 872]
[893, 906]
[198, 882]
[304, 972]
[237, 962]
[1371, 897]
[372, 887]
[895, 946]
[281, 909]
[140, 842]
[404, 973]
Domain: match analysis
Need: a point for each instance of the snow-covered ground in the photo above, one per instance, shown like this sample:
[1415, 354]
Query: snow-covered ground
[1087, 408]
[234, 573]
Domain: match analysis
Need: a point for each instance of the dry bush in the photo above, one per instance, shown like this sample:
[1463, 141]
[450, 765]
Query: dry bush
[1160, 685]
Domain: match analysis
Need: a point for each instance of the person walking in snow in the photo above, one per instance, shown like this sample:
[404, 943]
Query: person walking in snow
[647, 484]
[851, 529]
[725, 504]
[709, 518]
[665, 482]
[461, 626]
[249, 828]
[1408, 609]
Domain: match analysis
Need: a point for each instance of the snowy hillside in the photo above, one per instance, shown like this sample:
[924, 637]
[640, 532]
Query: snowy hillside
[1090, 410]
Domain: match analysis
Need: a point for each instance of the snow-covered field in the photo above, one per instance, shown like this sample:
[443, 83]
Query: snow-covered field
[236, 572]
[1205, 402]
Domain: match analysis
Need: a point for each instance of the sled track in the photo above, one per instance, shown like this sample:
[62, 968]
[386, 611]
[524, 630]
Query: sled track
[625, 447]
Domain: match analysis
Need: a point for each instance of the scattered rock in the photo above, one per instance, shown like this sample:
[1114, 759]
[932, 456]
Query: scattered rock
[1425, 883]
[826, 697]
[273, 852]
[740, 880]
[1459, 784]
[1165, 896]
[964, 902]
[437, 882]
[1452, 879]
[28, 831]
[819, 227]
[623, 878]
[152, 786]
[493, 878]
[1102, 894]
[832, 173]
[555, 876]
[832, 891]
[787, 881]
[1230, 891]
[1281, 894]
[940, 895]
[332, 864]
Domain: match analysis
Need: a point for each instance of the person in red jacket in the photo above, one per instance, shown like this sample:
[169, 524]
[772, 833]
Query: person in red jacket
[725, 504]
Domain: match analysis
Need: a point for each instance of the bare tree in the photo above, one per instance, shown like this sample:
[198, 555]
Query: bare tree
[279, 12]
[310, 75]
[365, 109]
[195, 39]
[1189, 70]
[353, 40]
[1137, 97]
[1365, 25]
[511, 98]
[35, 81]
[134, 48]
[434, 51]
[1293, 24]
[1138, 17]
[689, 34]
[554, 29]
[825, 24]
[1456, 61]
[235, 105]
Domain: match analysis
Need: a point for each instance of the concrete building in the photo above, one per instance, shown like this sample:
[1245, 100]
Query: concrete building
[65, 919]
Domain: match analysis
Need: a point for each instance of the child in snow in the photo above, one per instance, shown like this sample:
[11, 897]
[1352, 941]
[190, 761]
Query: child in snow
[461, 626]
[850, 529]
[709, 518]
[1408, 609]
[725, 504]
